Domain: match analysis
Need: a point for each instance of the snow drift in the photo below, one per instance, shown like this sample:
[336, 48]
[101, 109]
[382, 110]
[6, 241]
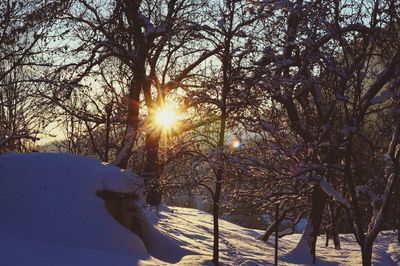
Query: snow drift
[50, 214]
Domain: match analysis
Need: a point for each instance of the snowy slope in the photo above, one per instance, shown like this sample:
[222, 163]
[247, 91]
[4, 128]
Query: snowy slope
[239, 246]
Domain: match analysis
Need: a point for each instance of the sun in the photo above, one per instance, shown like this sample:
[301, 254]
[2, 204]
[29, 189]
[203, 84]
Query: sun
[166, 117]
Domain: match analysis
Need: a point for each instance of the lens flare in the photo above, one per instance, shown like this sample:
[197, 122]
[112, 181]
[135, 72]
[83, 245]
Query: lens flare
[235, 144]
[166, 117]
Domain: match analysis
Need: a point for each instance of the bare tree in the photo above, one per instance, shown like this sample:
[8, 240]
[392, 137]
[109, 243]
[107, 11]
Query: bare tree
[326, 76]
[219, 98]
[23, 31]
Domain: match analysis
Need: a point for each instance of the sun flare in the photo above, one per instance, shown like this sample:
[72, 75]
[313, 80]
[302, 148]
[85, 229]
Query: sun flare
[235, 143]
[166, 117]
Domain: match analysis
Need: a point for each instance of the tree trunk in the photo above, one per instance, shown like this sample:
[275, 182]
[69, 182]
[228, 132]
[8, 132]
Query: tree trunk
[151, 157]
[310, 234]
[318, 203]
[272, 227]
[336, 240]
[132, 124]
[398, 210]
[366, 252]
[326, 238]
[138, 80]
[151, 171]
[398, 232]
[108, 127]
[398, 216]
[216, 221]
[398, 226]
[335, 235]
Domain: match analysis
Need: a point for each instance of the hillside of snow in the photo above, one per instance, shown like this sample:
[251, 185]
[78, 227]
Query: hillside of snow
[50, 215]
[239, 246]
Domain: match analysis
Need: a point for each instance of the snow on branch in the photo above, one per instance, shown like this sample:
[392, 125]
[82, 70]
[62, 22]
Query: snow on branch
[323, 183]
[365, 189]
[331, 191]
[148, 26]
[382, 97]
[390, 71]
[394, 142]
[129, 138]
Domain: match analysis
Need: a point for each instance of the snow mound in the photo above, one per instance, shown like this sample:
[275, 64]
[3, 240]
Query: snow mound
[50, 214]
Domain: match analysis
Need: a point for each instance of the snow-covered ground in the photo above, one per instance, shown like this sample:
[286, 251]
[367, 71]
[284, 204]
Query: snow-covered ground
[50, 215]
[239, 246]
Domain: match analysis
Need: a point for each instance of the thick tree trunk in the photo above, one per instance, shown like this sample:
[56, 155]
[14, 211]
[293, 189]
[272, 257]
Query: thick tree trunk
[332, 233]
[366, 252]
[151, 171]
[122, 158]
[132, 124]
[310, 234]
[336, 240]
[131, 10]
[151, 157]
[318, 204]
[335, 235]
